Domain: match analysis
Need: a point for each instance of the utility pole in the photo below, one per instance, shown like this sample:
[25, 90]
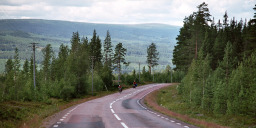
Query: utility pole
[34, 59]
[92, 59]
[119, 67]
[171, 71]
[150, 64]
[171, 74]
[139, 71]
[153, 73]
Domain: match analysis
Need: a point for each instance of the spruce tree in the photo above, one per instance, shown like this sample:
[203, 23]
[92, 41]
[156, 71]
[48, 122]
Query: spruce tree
[8, 66]
[16, 63]
[225, 20]
[108, 54]
[75, 42]
[26, 67]
[47, 55]
[95, 49]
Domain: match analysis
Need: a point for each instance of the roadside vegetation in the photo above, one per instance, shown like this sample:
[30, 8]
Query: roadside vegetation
[219, 62]
[171, 100]
[65, 78]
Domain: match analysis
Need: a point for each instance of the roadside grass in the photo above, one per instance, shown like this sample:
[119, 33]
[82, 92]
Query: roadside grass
[24, 114]
[168, 98]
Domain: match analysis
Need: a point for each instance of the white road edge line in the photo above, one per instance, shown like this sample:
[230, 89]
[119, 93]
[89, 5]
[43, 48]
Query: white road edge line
[124, 125]
[186, 126]
[117, 117]
[55, 126]
[112, 111]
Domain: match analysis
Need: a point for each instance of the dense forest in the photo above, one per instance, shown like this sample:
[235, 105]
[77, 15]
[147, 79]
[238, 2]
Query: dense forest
[70, 73]
[220, 63]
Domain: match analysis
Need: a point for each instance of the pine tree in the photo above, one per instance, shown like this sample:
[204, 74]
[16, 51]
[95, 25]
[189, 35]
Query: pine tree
[152, 57]
[182, 56]
[16, 64]
[95, 48]
[108, 54]
[47, 55]
[119, 57]
[8, 66]
[225, 20]
[59, 66]
[26, 67]
[75, 42]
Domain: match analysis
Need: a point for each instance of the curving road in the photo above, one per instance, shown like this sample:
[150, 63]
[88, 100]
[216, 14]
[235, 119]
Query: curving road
[125, 110]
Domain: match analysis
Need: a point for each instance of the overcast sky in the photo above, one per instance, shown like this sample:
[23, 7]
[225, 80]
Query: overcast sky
[122, 11]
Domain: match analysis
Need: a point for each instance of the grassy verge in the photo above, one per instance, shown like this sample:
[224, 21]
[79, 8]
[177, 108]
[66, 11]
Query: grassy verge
[168, 99]
[16, 114]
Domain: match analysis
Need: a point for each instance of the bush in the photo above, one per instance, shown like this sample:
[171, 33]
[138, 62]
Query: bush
[67, 92]
[97, 83]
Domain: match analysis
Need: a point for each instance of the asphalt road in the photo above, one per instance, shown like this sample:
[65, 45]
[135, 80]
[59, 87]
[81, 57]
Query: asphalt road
[125, 110]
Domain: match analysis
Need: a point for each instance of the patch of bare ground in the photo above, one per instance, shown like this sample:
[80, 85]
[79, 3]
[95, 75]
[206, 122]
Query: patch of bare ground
[150, 101]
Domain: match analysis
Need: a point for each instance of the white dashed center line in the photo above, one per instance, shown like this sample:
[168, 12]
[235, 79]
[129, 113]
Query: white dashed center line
[124, 125]
[117, 117]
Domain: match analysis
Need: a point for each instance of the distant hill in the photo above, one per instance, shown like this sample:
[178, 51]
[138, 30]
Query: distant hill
[136, 38]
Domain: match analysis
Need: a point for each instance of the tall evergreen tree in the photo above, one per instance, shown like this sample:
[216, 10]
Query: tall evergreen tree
[47, 55]
[8, 66]
[26, 67]
[75, 42]
[182, 55]
[119, 57]
[16, 63]
[95, 48]
[152, 57]
[108, 54]
[225, 20]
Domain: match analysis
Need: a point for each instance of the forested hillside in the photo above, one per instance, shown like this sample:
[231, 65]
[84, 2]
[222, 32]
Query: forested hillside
[219, 59]
[20, 33]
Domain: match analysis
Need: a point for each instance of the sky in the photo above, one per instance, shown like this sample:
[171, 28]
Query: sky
[170, 12]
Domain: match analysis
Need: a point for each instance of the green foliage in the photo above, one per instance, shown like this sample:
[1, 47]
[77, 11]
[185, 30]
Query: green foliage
[152, 57]
[67, 92]
[98, 84]
[170, 99]
[218, 80]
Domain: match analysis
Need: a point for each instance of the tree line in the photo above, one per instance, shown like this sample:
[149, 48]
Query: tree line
[69, 73]
[219, 60]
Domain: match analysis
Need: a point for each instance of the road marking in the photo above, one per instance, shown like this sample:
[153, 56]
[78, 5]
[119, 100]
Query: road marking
[124, 125]
[158, 115]
[55, 126]
[117, 117]
[178, 123]
[110, 106]
[112, 111]
[172, 121]
[58, 122]
[186, 126]
[64, 117]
